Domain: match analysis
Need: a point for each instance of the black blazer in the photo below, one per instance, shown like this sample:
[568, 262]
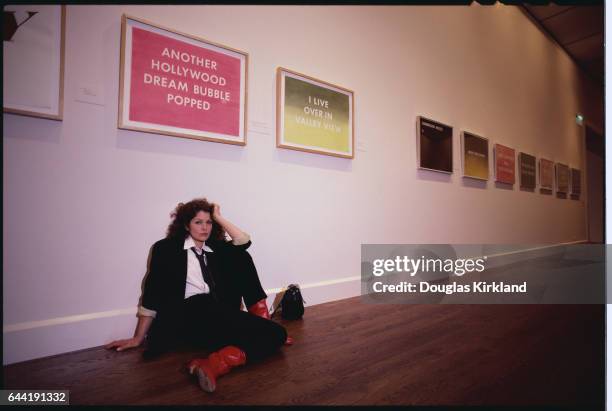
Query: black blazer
[164, 287]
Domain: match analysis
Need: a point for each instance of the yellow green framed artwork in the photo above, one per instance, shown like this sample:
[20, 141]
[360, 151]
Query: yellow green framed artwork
[313, 115]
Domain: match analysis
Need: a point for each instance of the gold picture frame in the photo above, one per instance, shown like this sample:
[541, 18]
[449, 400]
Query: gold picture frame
[313, 115]
[475, 156]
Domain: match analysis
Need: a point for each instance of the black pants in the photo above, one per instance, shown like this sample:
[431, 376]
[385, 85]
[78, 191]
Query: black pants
[212, 323]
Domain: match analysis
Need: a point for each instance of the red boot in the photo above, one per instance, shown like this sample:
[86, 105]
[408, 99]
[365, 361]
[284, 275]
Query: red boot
[217, 364]
[260, 309]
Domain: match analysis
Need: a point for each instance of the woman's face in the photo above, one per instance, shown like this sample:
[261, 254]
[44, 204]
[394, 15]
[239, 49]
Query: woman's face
[200, 227]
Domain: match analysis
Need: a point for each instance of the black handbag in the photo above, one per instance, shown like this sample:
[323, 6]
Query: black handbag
[291, 305]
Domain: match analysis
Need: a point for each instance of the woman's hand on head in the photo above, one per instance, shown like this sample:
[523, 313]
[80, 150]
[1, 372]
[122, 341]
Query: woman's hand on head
[216, 212]
[121, 345]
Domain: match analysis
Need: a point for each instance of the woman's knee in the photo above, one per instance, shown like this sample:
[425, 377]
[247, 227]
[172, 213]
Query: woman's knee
[242, 257]
[279, 334]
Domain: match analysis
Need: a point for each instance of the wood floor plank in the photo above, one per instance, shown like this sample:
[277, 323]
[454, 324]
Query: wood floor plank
[350, 353]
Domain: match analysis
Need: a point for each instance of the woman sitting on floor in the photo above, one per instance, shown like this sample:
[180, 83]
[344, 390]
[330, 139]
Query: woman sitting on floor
[193, 291]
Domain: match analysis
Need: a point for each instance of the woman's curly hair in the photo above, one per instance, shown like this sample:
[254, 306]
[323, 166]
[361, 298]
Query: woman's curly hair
[185, 212]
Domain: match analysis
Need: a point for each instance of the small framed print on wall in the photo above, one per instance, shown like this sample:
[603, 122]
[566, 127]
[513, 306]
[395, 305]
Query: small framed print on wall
[180, 85]
[576, 185]
[313, 115]
[527, 167]
[475, 156]
[562, 177]
[434, 145]
[505, 159]
[546, 174]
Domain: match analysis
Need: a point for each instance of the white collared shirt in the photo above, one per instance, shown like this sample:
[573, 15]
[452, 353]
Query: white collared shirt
[195, 279]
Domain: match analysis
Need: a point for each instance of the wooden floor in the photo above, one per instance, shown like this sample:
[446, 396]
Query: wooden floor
[349, 353]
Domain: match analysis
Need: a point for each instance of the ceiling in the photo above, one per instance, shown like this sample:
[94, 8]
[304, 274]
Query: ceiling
[579, 30]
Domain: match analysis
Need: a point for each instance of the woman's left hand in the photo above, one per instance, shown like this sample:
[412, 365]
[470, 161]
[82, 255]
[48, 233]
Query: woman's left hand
[233, 231]
[216, 212]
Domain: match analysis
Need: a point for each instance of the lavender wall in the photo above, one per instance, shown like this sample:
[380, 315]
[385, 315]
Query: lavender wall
[83, 201]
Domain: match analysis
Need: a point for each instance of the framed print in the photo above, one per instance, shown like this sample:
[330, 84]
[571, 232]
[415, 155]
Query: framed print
[575, 181]
[434, 145]
[504, 164]
[313, 115]
[527, 167]
[181, 85]
[546, 174]
[33, 63]
[562, 177]
[475, 156]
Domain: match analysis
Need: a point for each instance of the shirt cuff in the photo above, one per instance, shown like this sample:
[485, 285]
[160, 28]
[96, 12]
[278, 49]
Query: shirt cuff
[145, 312]
[241, 240]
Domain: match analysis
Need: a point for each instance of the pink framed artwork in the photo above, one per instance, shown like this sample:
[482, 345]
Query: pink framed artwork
[505, 160]
[181, 85]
